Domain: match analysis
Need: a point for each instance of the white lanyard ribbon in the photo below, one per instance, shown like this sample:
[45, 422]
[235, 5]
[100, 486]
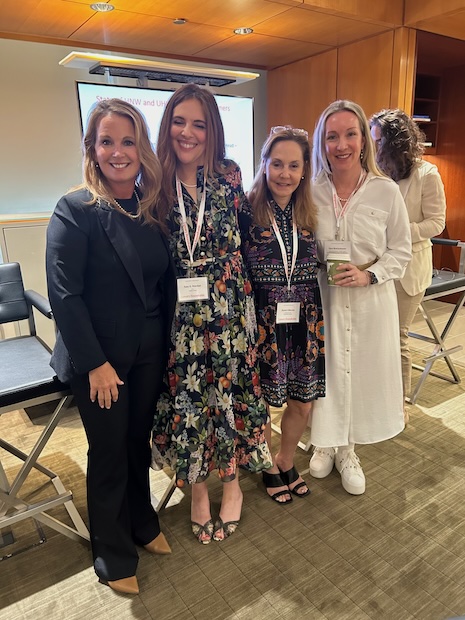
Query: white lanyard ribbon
[295, 243]
[339, 210]
[191, 245]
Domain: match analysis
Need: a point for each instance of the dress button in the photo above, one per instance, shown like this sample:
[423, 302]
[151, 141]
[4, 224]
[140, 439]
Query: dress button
[202, 253]
[202, 238]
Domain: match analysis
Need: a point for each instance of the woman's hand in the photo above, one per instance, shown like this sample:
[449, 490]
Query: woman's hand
[104, 385]
[350, 275]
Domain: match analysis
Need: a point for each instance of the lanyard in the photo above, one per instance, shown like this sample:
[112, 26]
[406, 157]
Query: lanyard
[295, 243]
[339, 210]
[191, 245]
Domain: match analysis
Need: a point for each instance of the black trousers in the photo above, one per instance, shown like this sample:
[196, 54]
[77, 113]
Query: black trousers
[118, 493]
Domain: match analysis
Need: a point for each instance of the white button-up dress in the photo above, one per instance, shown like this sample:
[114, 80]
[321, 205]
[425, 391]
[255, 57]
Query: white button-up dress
[364, 400]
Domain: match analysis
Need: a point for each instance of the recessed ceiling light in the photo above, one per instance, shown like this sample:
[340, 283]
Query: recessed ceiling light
[179, 21]
[102, 7]
[243, 30]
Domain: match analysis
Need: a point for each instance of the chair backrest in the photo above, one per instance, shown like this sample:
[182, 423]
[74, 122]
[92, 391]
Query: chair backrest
[13, 305]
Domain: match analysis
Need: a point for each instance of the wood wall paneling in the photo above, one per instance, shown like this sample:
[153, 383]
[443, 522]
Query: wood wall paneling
[298, 93]
[403, 69]
[364, 72]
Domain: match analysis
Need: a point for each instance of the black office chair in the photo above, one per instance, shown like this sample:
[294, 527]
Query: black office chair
[26, 379]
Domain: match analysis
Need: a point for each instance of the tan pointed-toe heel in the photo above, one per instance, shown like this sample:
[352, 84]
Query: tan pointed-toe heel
[158, 545]
[128, 585]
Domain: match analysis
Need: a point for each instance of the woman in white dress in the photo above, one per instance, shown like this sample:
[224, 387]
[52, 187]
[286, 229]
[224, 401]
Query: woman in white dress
[363, 219]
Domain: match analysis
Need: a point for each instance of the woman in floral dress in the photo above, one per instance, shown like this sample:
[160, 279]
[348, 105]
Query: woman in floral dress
[212, 414]
[277, 224]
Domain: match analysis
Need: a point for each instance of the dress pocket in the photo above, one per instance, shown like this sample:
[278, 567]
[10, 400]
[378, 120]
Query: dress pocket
[370, 225]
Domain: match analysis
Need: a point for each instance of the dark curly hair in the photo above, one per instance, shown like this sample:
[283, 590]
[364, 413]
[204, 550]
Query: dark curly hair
[401, 144]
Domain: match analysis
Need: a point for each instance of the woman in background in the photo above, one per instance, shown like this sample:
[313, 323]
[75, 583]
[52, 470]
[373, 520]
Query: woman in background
[211, 414]
[277, 230]
[110, 282]
[361, 214]
[399, 144]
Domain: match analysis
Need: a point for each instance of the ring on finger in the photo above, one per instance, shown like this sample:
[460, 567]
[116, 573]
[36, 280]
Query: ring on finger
[353, 278]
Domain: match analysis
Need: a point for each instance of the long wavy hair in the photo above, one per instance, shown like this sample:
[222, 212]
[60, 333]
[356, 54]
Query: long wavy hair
[401, 145]
[214, 163]
[150, 174]
[319, 159]
[259, 194]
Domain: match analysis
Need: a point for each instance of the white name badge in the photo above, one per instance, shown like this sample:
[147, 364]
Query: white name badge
[193, 289]
[288, 312]
[338, 250]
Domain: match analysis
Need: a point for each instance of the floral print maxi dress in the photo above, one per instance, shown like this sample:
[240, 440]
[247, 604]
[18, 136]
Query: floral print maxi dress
[211, 414]
[292, 363]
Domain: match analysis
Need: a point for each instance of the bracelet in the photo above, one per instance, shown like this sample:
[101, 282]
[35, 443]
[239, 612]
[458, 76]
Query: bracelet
[368, 277]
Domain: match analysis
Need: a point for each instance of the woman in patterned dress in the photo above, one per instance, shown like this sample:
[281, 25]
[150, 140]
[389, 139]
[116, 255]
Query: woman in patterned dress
[211, 414]
[279, 248]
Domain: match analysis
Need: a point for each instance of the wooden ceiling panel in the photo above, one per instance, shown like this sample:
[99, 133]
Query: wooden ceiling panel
[127, 30]
[388, 13]
[266, 51]
[316, 27]
[417, 11]
[239, 13]
[453, 26]
[48, 18]
[284, 30]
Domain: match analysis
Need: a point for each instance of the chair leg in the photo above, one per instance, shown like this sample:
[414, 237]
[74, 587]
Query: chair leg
[14, 509]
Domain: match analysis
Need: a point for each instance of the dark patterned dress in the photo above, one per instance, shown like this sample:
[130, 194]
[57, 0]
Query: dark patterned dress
[212, 414]
[291, 354]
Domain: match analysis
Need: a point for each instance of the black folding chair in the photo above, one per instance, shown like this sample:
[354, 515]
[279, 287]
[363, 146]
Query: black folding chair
[443, 283]
[26, 379]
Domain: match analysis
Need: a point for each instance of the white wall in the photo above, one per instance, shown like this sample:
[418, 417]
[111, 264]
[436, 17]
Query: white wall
[40, 134]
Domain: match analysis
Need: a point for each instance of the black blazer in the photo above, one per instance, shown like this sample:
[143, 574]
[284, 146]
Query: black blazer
[96, 288]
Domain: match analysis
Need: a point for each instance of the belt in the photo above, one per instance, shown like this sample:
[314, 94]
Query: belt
[366, 265]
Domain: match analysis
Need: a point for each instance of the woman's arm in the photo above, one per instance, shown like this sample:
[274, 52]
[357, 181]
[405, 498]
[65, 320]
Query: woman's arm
[392, 263]
[433, 207]
[66, 259]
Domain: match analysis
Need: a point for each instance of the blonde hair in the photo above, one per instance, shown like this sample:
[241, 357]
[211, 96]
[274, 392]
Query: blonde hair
[320, 161]
[149, 179]
[259, 194]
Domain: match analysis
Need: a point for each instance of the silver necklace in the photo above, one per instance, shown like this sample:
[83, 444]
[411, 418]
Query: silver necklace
[187, 184]
[133, 216]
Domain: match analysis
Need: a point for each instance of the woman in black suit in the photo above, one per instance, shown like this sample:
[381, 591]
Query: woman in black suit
[112, 290]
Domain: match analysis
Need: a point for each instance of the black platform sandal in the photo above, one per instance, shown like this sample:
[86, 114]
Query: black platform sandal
[272, 481]
[290, 476]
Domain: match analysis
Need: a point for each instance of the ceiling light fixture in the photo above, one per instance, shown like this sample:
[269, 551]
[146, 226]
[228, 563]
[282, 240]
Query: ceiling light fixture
[102, 7]
[243, 30]
[179, 21]
[123, 66]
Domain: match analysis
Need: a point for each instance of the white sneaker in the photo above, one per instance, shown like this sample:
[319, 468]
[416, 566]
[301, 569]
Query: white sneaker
[322, 462]
[352, 476]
